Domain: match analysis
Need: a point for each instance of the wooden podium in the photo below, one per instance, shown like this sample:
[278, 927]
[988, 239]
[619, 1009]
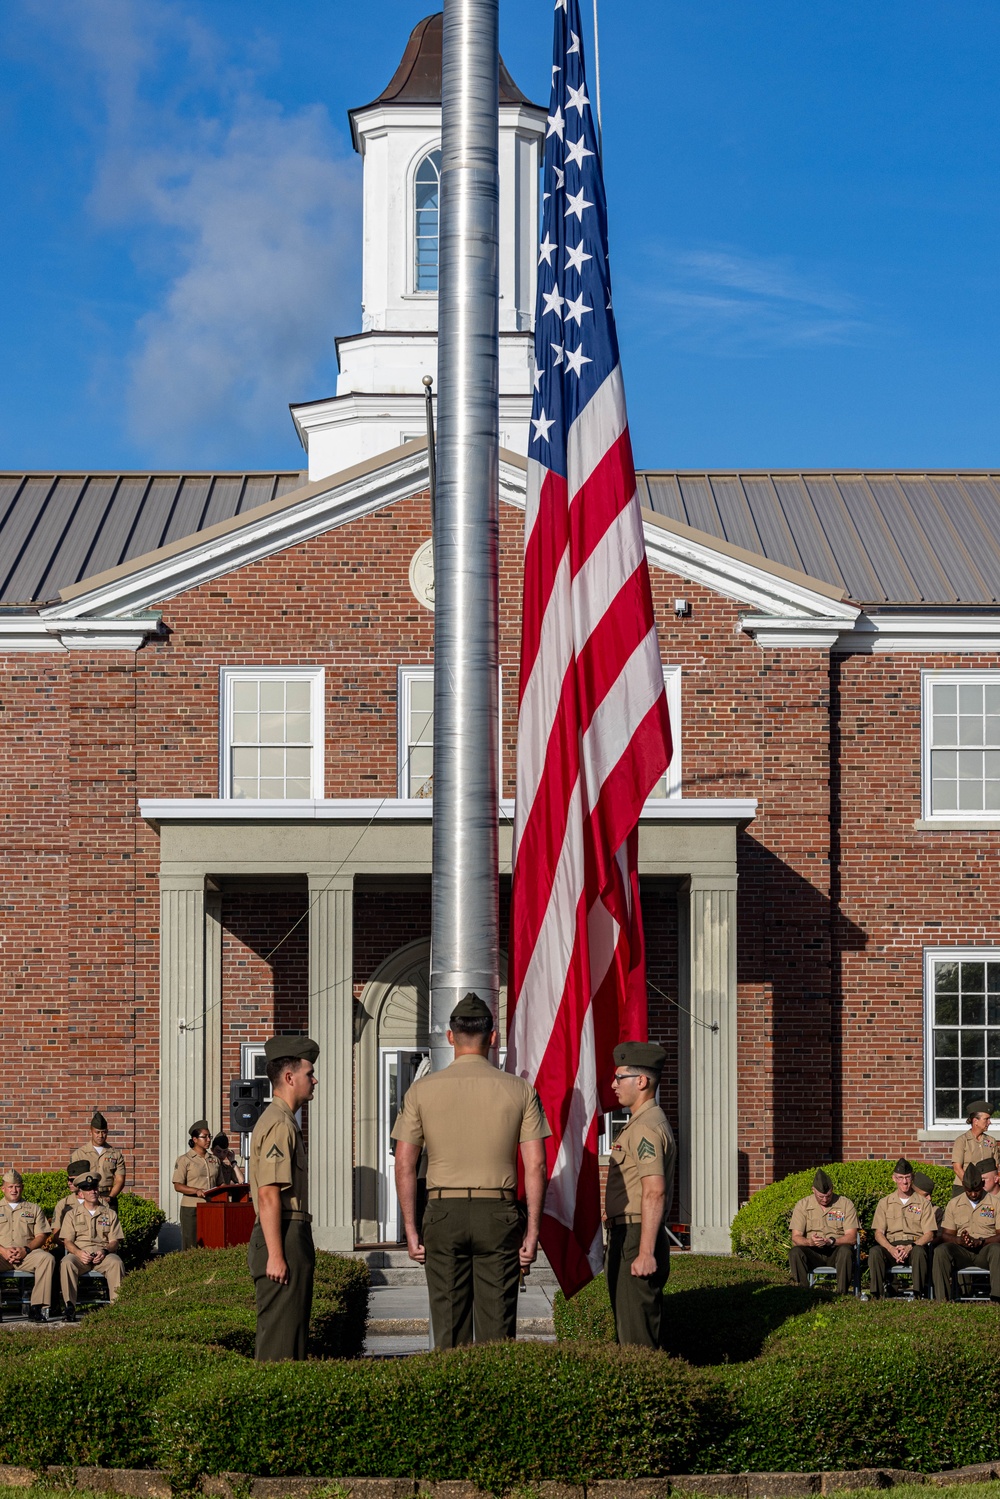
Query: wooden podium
[226, 1217]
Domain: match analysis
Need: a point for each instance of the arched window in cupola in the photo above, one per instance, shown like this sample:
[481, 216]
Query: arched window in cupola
[426, 204]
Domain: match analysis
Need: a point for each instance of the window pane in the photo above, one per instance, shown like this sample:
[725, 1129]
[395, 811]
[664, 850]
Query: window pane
[945, 697]
[946, 1044]
[295, 787]
[973, 1009]
[272, 789]
[422, 728]
[970, 796]
[946, 1105]
[945, 729]
[991, 696]
[244, 728]
[297, 728]
[993, 978]
[244, 790]
[970, 730]
[245, 695]
[297, 763]
[298, 695]
[970, 697]
[272, 695]
[946, 1009]
[970, 765]
[973, 1045]
[993, 1009]
[946, 1074]
[422, 694]
[993, 1043]
[993, 1076]
[272, 762]
[973, 1078]
[245, 762]
[992, 735]
[272, 728]
[991, 796]
[973, 977]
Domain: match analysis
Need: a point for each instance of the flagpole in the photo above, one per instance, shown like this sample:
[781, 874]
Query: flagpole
[597, 85]
[465, 866]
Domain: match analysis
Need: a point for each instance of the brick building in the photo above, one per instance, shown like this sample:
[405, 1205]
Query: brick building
[216, 735]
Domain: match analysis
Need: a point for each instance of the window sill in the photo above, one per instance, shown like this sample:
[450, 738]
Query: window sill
[926, 1136]
[957, 825]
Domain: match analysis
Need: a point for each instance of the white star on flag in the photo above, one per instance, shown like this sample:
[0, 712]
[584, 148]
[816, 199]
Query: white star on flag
[542, 425]
[545, 249]
[555, 69]
[538, 378]
[559, 352]
[556, 123]
[560, 176]
[575, 310]
[575, 256]
[576, 359]
[575, 45]
[576, 151]
[577, 98]
[576, 203]
[554, 301]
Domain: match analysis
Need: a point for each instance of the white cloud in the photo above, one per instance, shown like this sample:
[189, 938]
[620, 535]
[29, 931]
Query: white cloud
[729, 303]
[243, 220]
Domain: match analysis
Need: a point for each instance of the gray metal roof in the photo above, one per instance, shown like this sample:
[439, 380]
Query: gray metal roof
[57, 529]
[885, 538]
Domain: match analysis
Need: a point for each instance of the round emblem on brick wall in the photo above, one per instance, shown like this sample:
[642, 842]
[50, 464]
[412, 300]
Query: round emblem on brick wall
[422, 575]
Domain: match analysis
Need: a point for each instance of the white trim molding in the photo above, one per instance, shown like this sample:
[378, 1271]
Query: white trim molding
[56, 632]
[876, 632]
[156, 810]
[947, 1129]
[949, 817]
[315, 676]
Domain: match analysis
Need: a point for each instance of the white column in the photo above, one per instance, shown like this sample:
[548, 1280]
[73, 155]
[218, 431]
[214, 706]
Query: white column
[331, 1025]
[216, 1086]
[182, 1027]
[707, 1061]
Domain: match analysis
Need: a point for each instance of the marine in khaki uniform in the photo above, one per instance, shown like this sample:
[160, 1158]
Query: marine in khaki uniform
[637, 1197]
[231, 1172]
[92, 1236]
[476, 1237]
[975, 1146]
[904, 1226]
[280, 1255]
[824, 1229]
[969, 1237]
[195, 1173]
[23, 1230]
[924, 1187]
[106, 1161]
[74, 1171]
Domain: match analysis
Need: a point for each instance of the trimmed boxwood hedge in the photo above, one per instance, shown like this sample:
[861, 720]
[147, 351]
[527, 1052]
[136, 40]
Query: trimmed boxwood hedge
[760, 1228]
[140, 1219]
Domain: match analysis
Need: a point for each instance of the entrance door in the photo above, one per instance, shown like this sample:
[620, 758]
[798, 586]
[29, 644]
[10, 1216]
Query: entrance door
[397, 1070]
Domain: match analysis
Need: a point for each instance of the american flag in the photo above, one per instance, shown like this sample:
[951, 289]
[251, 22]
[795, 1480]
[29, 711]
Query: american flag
[593, 732]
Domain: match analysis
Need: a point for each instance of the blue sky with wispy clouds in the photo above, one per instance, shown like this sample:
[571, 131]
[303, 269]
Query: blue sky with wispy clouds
[803, 203]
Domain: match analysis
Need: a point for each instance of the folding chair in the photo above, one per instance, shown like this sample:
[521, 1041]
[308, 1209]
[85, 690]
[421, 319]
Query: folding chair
[27, 1279]
[973, 1283]
[829, 1272]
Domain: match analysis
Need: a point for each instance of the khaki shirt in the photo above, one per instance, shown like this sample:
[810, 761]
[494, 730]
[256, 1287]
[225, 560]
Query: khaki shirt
[471, 1117]
[194, 1170]
[60, 1210]
[904, 1222]
[645, 1147]
[20, 1222]
[99, 1229]
[833, 1222]
[978, 1219]
[968, 1151]
[109, 1164]
[278, 1158]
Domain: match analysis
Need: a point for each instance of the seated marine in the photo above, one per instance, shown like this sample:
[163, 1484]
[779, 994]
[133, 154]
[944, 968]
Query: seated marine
[903, 1228]
[23, 1231]
[92, 1237]
[824, 1228]
[969, 1237]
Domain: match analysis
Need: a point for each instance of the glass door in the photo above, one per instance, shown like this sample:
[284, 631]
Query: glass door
[398, 1068]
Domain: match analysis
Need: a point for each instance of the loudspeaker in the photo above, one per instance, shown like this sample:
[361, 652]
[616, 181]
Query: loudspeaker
[247, 1101]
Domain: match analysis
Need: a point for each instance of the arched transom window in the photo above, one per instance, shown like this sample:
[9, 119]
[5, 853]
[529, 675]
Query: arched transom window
[427, 198]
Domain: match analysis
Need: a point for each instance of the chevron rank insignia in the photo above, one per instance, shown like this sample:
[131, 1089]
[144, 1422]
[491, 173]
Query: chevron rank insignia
[646, 1149]
[275, 1154]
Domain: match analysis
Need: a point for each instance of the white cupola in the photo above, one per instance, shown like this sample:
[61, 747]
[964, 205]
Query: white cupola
[380, 398]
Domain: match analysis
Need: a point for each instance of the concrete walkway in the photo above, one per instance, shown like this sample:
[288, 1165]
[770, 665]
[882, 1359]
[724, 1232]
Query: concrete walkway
[398, 1318]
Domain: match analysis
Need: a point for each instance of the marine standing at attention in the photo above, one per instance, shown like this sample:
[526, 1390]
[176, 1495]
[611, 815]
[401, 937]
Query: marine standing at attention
[637, 1197]
[476, 1236]
[195, 1173]
[106, 1161]
[280, 1255]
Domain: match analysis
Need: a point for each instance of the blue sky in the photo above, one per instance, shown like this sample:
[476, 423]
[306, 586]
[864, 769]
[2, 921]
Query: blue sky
[803, 207]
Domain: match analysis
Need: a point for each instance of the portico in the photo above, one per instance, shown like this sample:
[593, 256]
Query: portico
[334, 845]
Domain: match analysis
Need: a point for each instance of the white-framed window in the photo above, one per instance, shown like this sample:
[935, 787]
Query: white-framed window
[271, 733]
[415, 730]
[426, 213]
[960, 731]
[669, 785]
[962, 1031]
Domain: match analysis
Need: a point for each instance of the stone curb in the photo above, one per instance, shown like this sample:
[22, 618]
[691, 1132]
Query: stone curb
[398, 1326]
[152, 1483]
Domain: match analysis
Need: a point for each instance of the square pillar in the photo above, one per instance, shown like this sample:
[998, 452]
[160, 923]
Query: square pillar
[709, 1147]
[216, 1086]
[331, 1025]
[182, 1029]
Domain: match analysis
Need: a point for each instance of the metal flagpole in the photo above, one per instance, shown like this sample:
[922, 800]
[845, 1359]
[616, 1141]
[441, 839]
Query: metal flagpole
[465, 877]
[597, 85]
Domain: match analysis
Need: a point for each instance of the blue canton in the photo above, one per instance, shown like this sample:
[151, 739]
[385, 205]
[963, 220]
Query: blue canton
[576, 346]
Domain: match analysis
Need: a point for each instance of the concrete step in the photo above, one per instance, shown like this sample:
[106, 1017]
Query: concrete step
[391, 1266]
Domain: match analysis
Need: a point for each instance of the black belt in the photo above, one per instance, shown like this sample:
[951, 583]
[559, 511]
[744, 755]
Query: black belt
[625, 1218]
[497, 1194]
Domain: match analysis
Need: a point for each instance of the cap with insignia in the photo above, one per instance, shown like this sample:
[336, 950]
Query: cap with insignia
[291, 1046]
[988, 1166]
[12, 1178]
[981, 1106]
[972, 1178]
[198, 1126]
[98, 1121]
[77, 1168]
[88, 1183]
[902, 1167]
[922, 1183]
[821, 1182]
[640, 1054]
[471, 1007]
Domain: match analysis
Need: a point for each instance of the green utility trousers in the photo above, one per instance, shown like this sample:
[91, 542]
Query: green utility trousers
[189, 1228]
[473, 1270]
[283, 1311]
[636, 1300]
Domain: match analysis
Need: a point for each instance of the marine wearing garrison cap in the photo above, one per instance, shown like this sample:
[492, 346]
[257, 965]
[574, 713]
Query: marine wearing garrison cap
[196, 1172]
[975, 1144]
[824, 1229]
[107, 1160]
[23, 1231]
[75, 1170]
[637, 1198]
[475, 1236]
[280, 1255]
[903, 1228]
[91, 1236]
[968, 1236]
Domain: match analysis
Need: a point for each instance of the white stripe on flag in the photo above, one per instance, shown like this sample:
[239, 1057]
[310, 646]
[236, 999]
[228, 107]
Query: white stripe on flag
[598, 427]
[540, 702]
[560, 1198]
[604, 574]
[622, 710]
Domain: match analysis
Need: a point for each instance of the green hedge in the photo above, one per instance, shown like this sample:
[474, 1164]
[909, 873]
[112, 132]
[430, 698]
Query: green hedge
[719, 1309]
[760, 1228]
[140, 1218]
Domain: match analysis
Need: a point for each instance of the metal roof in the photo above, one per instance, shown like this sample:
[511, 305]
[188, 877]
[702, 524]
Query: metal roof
[57, 529]
[901, 538]
[417, 79]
